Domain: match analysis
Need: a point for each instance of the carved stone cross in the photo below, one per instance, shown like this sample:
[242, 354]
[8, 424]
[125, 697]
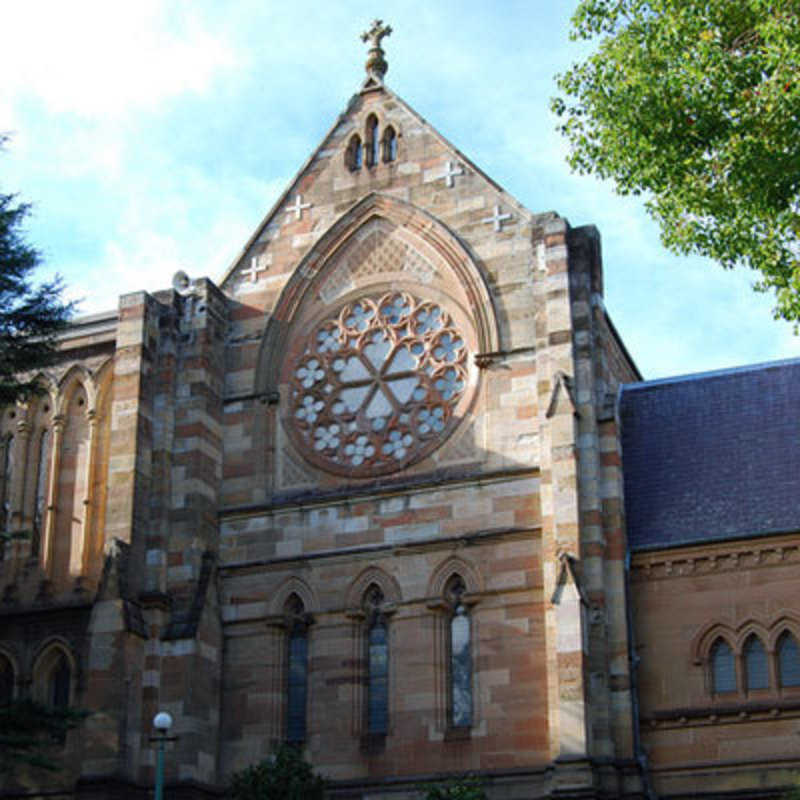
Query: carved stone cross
[376, 33]
[497, 219]
[298, 207]
[257, 264]
[452, 171]
[376, 64]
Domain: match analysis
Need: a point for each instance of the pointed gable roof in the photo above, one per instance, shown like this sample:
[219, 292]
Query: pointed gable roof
[333, 141]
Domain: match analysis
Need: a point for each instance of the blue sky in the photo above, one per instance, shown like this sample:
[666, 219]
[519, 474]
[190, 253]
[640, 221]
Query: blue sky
[153, 136]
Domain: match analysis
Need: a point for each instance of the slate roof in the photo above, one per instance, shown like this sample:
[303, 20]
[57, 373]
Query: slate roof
[712, 456]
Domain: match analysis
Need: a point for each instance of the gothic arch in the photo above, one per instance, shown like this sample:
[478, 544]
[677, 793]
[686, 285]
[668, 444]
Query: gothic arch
[76, 377]
[454, 565]
[387, 583]
[293, 585]
[704, 640]
[432, 236]
[47, 660]
[784, 621]
[748, 628]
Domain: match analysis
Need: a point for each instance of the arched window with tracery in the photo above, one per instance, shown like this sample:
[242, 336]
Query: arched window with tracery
[723, 668]
[372, 141]
[297, 669]
[377, 660]
[756, 666]
[459, 649]
[389, 145]
[7, 681]
[788, 660]
[354, 153]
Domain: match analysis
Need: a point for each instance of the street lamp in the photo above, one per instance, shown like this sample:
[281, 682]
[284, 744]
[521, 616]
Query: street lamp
[162, 722]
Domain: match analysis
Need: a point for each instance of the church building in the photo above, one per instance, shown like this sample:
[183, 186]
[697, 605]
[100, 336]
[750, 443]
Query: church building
[393, 491]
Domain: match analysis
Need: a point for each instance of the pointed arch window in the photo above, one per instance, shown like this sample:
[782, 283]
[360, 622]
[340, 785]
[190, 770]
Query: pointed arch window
[723, 668]
[5, 483]
[40, 492]
[372, 140]
[7, 681]
[59, 682]
[756, 667]
[354, 155]
[377, 658]
[389, 145]
[459, 655]
[297, 669]
[788, 660]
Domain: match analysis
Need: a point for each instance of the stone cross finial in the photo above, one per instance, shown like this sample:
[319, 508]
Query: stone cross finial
[376, 64]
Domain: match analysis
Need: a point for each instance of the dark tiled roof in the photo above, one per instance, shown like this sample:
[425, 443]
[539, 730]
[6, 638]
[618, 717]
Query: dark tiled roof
[712, 456]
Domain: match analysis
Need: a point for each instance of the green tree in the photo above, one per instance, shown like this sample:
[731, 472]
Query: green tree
[467, 788]
[31, 315]
[284, 776]
[696, 104]
[31, 734]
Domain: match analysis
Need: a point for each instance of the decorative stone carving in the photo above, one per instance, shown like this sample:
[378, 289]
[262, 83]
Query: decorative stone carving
[379, 385]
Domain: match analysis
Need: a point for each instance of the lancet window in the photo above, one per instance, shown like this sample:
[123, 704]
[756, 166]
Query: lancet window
[459, 647]
[788, 660]
[7, 464]
[389, 145]
[723, 668]
[53, 678]
[372, 141]
[40, 487]
[354, 155]
[756, 666]
[297, 669]
[377, 659]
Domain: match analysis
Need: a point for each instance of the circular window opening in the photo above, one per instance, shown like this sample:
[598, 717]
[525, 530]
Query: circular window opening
[379, 385]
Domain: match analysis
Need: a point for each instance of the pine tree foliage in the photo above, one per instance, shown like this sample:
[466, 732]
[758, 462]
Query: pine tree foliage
[696, 105]
[30, 315]
[32, 734]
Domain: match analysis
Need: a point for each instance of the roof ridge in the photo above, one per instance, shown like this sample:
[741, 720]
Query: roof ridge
[697, 376]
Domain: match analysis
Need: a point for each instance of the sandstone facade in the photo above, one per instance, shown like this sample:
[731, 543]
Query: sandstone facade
[399, 406]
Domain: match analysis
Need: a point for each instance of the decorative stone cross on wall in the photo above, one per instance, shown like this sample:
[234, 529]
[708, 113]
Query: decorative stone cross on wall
[497, 219]
[298, 207]
[257, 264]
[452, 171]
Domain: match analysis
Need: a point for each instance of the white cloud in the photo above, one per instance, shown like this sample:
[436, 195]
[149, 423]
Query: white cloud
[97, 58]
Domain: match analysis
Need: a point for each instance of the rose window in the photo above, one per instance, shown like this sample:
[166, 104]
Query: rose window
[379, 385]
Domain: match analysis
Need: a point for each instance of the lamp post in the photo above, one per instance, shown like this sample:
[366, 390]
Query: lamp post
[162, 722]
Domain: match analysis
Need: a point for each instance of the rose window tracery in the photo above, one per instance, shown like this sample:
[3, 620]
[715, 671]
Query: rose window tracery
[378, 384]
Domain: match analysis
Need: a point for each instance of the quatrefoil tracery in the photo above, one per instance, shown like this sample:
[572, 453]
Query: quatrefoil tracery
[378, 384]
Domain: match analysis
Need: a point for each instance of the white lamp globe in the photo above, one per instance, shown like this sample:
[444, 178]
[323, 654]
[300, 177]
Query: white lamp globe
[162, 721]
